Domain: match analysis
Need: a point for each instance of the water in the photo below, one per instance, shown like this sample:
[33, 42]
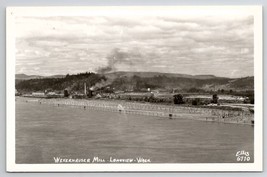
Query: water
[45, 131]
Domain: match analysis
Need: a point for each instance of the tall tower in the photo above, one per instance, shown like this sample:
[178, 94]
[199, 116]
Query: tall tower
[85, 93]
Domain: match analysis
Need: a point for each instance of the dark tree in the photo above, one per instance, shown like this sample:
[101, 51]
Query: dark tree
[215, 98]
[66, 93]
[196, 101]
[251, 100]
[178, 99]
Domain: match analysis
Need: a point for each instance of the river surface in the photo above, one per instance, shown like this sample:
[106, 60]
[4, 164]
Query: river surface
[45, 132]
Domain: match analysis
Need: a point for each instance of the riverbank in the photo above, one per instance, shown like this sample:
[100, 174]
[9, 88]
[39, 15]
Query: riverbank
[150, 109]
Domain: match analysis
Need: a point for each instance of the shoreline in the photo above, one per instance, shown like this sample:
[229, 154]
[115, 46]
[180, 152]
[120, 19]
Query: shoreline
[150, 109]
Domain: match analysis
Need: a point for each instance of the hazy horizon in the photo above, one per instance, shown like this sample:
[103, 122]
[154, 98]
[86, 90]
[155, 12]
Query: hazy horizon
[130, 71]
[210, 44]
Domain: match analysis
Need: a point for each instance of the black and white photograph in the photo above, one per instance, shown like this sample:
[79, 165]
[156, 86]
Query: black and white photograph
[134, 88]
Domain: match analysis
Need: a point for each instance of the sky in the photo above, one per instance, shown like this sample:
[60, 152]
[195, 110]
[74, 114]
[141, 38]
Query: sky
[195, 44]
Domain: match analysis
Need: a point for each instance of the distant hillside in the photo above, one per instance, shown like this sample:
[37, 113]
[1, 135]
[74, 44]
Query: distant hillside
[144, 74]
[27, 77]
[71, 82]
[205, 77]
[242, 83]
[134, 81]
[155, 80]
[164, 82]
[153, 74]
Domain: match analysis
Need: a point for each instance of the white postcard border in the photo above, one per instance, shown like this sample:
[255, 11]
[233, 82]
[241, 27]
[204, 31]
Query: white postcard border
[11, 166]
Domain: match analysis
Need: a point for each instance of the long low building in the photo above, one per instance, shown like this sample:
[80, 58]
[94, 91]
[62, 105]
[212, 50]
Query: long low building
[38, 94]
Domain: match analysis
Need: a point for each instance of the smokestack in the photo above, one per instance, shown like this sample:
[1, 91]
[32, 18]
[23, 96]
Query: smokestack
[113, 63]
[85, 89]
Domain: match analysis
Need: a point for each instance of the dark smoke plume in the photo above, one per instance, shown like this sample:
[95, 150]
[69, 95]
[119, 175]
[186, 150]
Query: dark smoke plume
[116, 57]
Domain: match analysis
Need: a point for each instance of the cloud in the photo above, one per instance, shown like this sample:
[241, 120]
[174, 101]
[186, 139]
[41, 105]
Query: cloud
[195, 44]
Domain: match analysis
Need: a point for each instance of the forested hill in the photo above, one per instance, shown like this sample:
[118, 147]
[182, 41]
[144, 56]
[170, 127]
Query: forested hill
[71, 82]
[135, 82]
[183, 83]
